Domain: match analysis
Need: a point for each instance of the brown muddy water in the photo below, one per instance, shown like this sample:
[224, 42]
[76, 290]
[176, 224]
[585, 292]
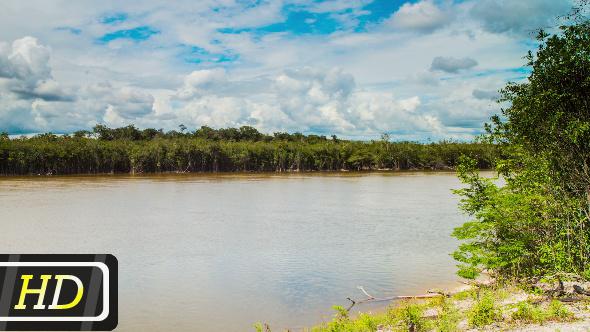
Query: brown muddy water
[221, 252]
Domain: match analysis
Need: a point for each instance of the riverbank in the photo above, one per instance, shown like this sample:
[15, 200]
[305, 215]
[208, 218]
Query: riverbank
[482, 306]
[245, 174]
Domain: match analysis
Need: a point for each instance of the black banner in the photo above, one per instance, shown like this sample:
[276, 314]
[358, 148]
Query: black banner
[58, 292]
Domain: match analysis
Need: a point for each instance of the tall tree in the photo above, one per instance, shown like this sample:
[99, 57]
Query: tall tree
[538, 223]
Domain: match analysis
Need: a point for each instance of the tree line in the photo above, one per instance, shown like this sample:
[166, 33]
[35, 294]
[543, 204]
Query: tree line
[131, 150]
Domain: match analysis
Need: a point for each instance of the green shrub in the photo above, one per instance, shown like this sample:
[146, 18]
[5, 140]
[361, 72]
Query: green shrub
[367, 322]
[484, 311]
[343, 323]
[260, 327]
[408, 315]
[558, 311]
[341, 312]
[412, 317]
[528, 313]
[448, 318]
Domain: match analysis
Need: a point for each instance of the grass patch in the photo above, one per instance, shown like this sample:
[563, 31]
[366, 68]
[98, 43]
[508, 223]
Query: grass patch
[343, 323]
[412, 316]
[558, 311]
[529, 313]
[469, 294]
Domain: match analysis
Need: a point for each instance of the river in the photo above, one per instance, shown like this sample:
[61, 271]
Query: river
[221, 252]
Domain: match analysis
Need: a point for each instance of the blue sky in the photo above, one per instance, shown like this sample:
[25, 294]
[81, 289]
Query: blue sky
[418, 70]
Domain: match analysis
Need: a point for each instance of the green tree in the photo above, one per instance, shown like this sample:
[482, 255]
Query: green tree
[537, 223]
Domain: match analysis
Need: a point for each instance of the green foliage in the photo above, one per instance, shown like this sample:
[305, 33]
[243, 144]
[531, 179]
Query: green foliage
[465, 295]
[534, 220]
[130, 150]
[342, 322]
[558, 311]
[407, 316]
[411, 315]
[550, 115]
[260, 327]
[448, 317]
[484, 311]
[367, 322]
[529, 313]
[341, 312]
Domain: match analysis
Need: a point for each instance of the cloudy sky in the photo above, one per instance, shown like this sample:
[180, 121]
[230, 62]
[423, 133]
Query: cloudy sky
[417, 70]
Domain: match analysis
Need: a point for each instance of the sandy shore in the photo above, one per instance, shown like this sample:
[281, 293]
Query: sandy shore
[507, 300]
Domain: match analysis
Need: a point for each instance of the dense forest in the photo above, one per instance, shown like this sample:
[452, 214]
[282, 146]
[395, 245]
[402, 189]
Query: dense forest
[131, 150]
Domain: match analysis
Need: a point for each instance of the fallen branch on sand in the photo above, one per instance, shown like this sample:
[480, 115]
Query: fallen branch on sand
[371, 298]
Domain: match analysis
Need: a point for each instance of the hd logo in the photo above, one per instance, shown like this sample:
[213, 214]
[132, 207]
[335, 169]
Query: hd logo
[58, 292]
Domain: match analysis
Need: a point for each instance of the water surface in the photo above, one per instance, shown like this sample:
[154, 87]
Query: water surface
[218, 253]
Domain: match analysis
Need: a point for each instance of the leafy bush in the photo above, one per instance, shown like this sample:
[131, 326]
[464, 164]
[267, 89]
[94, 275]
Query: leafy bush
[343, 323]
[449, 316]
[341, 312]
[558, 311]
[529, 313]
[412, 317]
[484, 311]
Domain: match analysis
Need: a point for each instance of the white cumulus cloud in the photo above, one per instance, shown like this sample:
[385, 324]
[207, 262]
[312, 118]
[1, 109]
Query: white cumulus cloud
[424, 16]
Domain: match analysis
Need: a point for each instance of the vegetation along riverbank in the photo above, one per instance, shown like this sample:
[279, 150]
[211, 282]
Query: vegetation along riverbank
[551, 304]
[131, 150]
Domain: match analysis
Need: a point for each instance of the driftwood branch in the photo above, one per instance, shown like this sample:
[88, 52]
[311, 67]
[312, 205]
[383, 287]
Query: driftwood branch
[570, 299]
[371, 298]
[364, 291]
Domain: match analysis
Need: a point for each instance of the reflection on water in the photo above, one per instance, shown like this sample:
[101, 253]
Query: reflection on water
[204, 252]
